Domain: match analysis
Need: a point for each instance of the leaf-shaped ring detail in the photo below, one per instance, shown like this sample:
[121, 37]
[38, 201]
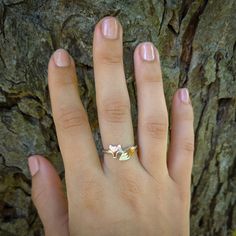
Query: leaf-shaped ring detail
[118, 152]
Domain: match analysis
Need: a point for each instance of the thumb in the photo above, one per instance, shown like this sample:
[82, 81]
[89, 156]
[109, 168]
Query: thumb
[48, 196]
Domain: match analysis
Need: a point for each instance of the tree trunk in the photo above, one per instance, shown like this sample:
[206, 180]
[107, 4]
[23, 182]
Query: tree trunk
[196, 41]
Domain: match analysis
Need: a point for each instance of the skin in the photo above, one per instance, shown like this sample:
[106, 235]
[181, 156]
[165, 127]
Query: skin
[146, 195]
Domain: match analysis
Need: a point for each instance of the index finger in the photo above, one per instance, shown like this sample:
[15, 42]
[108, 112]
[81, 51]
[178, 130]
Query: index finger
[73, 130]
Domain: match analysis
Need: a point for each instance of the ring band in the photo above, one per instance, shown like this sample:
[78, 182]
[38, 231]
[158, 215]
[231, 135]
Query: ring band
[120, 153]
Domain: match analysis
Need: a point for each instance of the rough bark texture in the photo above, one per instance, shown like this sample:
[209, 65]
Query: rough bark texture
[196, 41]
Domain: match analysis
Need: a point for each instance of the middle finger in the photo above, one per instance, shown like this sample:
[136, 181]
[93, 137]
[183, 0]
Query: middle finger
[112, 96]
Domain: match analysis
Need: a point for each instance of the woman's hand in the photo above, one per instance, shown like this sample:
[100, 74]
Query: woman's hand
[146, 195]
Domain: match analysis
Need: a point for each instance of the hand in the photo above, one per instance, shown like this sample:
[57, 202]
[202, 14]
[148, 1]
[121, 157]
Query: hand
[146, 195]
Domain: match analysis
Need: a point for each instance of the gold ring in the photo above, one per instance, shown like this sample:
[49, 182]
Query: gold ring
[123, 154]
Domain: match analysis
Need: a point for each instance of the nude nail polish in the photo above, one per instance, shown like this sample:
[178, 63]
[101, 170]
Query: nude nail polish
[184, 95]
[33, 165]
[148, 52]
[110, 28]
[61, 58]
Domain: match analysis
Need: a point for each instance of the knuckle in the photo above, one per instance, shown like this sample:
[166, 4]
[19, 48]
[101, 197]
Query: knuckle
[111, 58]
[188, 146]
[154, 80]
[131, 190]
[67, 80]
[187, 116]
[64, 220]
[131, 186]
[38, 197]
[91, 195]
[154, 77]
[157, 129]
[115, 111]
[184, 195]
[72, 118]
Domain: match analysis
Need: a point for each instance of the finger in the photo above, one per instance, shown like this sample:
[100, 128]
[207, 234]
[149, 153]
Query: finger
[112, 96]
[152, 111]
[180, 156]
[48, 196]
[73, 130]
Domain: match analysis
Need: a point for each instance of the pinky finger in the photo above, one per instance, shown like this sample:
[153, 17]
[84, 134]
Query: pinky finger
[180, 155]
[48, 196]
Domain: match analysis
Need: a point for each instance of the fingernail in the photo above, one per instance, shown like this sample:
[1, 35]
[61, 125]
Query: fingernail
[148, 52]
[61, 58]
[110, 28]
[33, 165]
[184, 95]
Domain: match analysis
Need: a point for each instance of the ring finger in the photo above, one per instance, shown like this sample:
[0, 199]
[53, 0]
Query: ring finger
[152, 116]
[112, 97]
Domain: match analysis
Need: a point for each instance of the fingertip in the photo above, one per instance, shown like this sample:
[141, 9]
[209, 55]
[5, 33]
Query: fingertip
[107, 40]
[60, 59]
[33, 164]
[47, 191]
[41, 166]
[37, 163]
[147, 64]
[182, 105]
[146, 52]
[180, 156]
[107, 22]
[182, 96]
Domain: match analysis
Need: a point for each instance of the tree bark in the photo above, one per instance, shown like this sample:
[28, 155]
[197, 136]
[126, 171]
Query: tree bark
[196, 41]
